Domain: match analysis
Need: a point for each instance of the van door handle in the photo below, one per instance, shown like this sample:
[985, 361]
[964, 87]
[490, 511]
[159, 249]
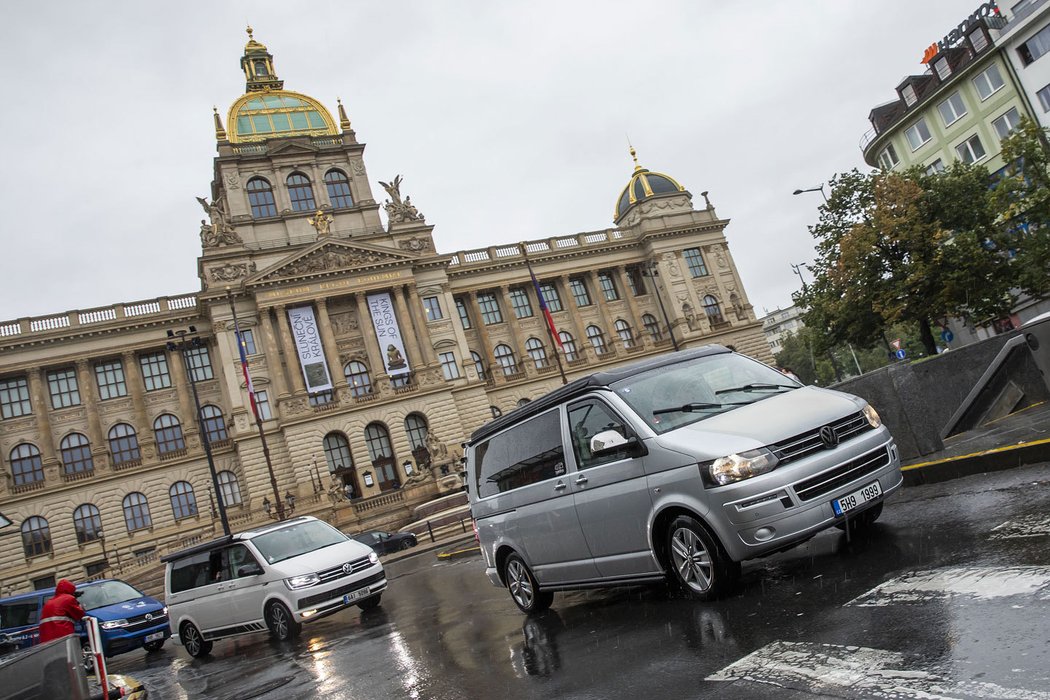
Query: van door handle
[560, 486]
[582, 480]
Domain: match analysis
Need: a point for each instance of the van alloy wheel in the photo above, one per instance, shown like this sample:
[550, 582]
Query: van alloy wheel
[279, 620]
[698, 562]
[524, 590]
[692, 561]
[196, 645]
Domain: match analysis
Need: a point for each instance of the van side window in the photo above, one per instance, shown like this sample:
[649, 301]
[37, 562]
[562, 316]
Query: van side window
[20, 614]
[525, 454]
[238, 556]
[587, 419]
[191, 572]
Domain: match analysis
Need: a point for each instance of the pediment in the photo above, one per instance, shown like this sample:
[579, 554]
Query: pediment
[330, 256]
[291, 148]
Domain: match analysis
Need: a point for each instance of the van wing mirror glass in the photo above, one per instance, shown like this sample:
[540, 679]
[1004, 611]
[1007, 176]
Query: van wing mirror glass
[607, 441]
[249, 570]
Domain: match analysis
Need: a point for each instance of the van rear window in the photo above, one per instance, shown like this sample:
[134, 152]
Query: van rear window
[20, 614]
[525, 454]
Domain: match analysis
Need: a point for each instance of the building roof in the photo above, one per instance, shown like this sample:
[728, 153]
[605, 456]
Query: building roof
[644, 184]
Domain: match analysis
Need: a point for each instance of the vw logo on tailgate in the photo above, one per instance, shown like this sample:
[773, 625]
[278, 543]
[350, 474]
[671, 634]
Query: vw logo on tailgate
[829, 437]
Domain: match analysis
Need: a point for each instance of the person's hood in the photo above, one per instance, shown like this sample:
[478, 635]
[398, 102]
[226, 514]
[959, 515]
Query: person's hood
[66, 587]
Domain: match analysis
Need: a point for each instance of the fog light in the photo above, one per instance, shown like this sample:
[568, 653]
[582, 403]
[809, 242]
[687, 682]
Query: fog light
[307, 613]
[764, 533]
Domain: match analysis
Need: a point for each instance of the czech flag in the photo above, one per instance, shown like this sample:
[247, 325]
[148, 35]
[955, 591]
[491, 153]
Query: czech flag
[244, 366]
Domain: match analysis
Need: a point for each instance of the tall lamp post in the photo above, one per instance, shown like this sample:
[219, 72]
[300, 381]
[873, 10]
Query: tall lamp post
[188, 339]
[653, 273]
[819, 188]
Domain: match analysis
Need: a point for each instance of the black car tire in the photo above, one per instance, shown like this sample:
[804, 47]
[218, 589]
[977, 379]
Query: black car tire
[699, 564]
[524, 590]
[151, 647]
[196, 645]
[405, 544]
[861, 522]
[281, 623]
[371, 603]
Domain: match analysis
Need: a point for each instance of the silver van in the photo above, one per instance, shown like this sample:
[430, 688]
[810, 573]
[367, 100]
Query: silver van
[679, 467]
[274, 577]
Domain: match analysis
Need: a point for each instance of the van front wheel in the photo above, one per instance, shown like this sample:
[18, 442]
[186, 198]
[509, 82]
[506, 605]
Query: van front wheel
[196, 645]
[282, 626]
[699, 564]
[524, 590]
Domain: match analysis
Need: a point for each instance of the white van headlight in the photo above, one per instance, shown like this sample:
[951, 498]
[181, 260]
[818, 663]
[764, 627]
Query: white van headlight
[736, 467]
[304, 581]
[113, 624]
[373, 557]
[872, 415]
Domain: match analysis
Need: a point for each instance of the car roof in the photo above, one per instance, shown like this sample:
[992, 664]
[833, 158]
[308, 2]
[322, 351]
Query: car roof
[598, 380]
[220, 542]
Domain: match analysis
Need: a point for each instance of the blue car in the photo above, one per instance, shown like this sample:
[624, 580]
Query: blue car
[128, 618]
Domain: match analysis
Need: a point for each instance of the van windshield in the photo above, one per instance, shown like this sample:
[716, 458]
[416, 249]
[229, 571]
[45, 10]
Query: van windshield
[670, 397]
[297, 539]
[99, 595]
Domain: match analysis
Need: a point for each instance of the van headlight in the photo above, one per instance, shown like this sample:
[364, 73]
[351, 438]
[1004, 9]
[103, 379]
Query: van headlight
[304, 581]
[373, 557]
[872, 415]
[744, 465]
[113, 624]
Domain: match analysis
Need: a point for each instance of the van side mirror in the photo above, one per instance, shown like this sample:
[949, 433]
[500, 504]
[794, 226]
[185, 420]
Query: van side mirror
[608, 441]
[249, 570]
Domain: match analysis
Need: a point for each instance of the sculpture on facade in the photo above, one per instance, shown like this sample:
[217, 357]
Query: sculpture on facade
[220, 232]
[322, 222]
[399, 211]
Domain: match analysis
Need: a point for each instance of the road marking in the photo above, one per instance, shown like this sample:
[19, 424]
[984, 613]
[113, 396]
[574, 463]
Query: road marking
[1028, 526]
[848, 671]
[981, 583]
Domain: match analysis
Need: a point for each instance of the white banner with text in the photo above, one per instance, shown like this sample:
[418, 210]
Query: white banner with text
[307, 338]
[389, 334]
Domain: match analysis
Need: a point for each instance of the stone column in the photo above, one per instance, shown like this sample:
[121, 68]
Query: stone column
[636, 316]
[38, 397]
[415, 355]
[416, 305]
[143, 426]
[376, 366]
[273, 355]
[89, 399]
[331, 349]
[600, 300]
[296, 383]
[181, 383]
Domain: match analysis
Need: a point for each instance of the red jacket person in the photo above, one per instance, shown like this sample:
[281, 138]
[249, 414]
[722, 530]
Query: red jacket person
[59, 613]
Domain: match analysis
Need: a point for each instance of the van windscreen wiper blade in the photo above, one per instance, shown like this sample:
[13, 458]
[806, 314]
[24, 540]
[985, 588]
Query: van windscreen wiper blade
[690, 407]
[755, 387]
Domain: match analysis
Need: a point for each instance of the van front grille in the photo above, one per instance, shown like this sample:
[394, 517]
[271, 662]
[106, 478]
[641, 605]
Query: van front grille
[310, 601]
[339, 572]
[139, 622]
[805, 444]
[841, 475]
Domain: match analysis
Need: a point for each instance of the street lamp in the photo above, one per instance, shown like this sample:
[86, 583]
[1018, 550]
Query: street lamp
[652, 272]
[407, 467]
[181, 346]
[283, 509]
[819, 188]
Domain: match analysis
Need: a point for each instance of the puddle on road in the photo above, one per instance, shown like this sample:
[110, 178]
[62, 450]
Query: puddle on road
[979, 583]
[1028, 526]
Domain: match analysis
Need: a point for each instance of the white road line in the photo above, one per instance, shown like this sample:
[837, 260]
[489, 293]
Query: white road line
[980, 583]
[1028, 526]
[856, 672]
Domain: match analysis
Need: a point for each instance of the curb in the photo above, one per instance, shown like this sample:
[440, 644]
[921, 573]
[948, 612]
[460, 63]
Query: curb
[996, 459]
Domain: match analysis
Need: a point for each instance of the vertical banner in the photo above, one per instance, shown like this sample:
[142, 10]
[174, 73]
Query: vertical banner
[308, 344]
[388, 333]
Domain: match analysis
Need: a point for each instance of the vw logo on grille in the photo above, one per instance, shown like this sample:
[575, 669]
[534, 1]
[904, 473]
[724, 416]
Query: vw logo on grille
[346, 568]
[149, 617]
[829, 437]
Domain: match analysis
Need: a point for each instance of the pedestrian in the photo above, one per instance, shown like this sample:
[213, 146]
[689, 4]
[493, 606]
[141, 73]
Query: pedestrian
[786, 371]
[60, 612]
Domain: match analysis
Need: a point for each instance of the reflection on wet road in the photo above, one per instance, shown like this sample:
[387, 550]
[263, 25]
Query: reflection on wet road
[950, 598]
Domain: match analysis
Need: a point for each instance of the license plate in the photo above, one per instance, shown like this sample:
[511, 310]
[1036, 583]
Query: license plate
[857, 498]
[356, 595]
[154, 637]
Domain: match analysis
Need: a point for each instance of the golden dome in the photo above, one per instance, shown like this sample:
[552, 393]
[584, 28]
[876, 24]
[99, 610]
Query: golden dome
[643, 185]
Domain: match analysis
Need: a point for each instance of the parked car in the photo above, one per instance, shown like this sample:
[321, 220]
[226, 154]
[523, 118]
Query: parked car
[386, 542]
[129, 619]
[273, 577]
[679, 467]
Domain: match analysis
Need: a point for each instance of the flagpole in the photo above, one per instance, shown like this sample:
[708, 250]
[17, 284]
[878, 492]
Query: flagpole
[547, 320]
[278, 505]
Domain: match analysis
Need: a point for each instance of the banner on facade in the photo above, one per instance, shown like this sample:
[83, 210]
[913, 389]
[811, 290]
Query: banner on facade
[388, 333]
[307, 338]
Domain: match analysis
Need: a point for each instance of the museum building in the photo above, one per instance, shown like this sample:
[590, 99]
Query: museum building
[364, 358]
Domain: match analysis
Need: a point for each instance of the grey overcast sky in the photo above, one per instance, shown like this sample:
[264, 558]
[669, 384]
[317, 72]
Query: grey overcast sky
[508, 120]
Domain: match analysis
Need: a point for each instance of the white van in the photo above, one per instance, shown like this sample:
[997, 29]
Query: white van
[274, 577]
[678, 468]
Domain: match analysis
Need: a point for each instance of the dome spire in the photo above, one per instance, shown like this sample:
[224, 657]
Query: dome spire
[634, 155]
[257, 64]
[220, 133]
[344, 122]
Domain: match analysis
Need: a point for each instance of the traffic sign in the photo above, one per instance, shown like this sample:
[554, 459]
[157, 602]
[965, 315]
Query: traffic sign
[896, 344]
[900, 354]
[947, 336]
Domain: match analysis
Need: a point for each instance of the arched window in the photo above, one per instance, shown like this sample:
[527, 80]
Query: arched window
[123, 444]
[214, 424]
[713, 310]
[301, 192]
[168, 432]
[494, 410]
[568, 343]
[624, 331]
[417, 429]
[87, 522]
[260, 197]
[356, 374]
[337, 452]
[183, 502]
[76, 454]
[522, 402]
[229, 488]
[537, 352]
[36, 536]
[338, 189]
[652, 326]
[136, 512]
[26, 465]
[597, 338]
[479, 364]
[505, 359]
[377, 437]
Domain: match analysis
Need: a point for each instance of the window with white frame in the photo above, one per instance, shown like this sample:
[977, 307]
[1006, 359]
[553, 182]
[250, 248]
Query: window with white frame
[888, 157]
[1044, 98]
[970, 150]
[1036, 47]
[432, 306]
[917, 134]
[908, 93]
[1006, 123]
[63, 387]
[942, 67]
[988, 82]
[952, 109]
[262, 404]
[978, 40]
[935, 167]
[449, 366]
[229, 488]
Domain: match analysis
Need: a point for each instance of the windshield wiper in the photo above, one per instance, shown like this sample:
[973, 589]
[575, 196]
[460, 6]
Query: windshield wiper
[691, 407]
[755, 387]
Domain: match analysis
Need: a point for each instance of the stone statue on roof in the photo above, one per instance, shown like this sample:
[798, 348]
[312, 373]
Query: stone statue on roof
[399, 211]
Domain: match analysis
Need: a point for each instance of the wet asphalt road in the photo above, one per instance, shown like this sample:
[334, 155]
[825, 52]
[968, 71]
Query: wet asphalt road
[949, 598]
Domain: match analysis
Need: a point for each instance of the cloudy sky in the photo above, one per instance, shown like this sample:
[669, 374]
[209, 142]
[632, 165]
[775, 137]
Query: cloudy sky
[508, 120]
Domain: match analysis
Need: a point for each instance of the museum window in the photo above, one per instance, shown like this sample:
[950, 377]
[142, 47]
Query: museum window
[694, 260]
[36, 536]
[636, 280]
[988, 82]
[568, 345]
[550, 296]
[519, 301]
[652, 326]
[62, 384]
[970, 150]
[338, 189]
[87, 523]
[579, 291]
[464, 317]
[301, 192]
[198, 362]
[155, 371]
[110, 377]
[505, 359]
[214, 423]
[248, 342]
[321, 398]
[713, 310]
[14, 398]
[262, 404]
[136, 512]
[356, 374]
[123, 444]
[417, 430]
[1007, 123]
[608, 286]
[337, 452]
[260, 198]
[952, 109]
[229, 489]
[183, 502]
[479, 364]
[26, 465]
[168, 432]
[597, 338]
[449, 366]
[624, 331]
[380, 451]
[537, 352]
[489, 306]
[432, 307]
[76, 454]
[1036, 47]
